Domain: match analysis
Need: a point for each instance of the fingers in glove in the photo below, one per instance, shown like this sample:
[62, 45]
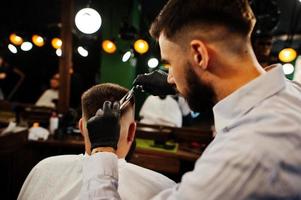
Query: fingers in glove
[99, 112]
[116, 106]
[107, 107]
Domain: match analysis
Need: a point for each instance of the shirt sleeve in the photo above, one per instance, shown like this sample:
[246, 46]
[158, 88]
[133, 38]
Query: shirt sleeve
[224, 176]
[100, 177]
[227, 176]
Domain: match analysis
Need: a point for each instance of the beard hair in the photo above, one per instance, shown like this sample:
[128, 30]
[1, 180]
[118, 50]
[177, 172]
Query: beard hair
[200, 96]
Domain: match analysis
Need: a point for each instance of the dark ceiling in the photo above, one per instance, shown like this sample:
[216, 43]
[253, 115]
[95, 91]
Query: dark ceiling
[33, 15]
[290, 16]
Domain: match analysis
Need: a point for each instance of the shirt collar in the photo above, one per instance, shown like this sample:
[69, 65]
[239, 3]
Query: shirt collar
[242, 100]
[121, 161]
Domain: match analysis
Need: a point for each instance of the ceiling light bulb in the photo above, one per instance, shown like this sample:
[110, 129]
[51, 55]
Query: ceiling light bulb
[126, 56]
[153, 63]
[109, 46]
[88, 20]
[38, 40]
[287, 55]
[15, 39]
[82, 51]
[12, 48]
[288, 68]
[56, 43]
[58, 52]
[141, 46]
[26, 46]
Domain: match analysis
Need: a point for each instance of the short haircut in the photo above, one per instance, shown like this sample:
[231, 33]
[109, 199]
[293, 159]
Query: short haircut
[93, 98]
[235, 15]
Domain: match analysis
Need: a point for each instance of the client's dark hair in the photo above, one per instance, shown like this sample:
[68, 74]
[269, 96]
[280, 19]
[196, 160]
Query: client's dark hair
[94, 98]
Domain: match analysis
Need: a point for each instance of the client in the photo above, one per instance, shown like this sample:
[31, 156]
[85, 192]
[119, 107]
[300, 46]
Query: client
[60, 177]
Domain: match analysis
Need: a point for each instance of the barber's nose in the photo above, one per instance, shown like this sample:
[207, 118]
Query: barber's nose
[170, 78]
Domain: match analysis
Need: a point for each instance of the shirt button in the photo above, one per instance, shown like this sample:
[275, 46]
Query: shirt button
[226, 129]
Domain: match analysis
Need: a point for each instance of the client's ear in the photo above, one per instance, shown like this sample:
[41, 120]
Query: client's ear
[131, 132]
[81, 126]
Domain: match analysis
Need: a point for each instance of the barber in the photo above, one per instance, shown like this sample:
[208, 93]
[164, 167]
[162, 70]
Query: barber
[257, 114]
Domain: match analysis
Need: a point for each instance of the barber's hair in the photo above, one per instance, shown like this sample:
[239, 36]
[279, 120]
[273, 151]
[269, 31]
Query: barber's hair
[93, 98]
[234, 15]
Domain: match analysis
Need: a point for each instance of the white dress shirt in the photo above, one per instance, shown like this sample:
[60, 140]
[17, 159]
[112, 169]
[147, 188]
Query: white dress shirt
[60, 177]
[46, 99]
[256, 153]
[161, 111]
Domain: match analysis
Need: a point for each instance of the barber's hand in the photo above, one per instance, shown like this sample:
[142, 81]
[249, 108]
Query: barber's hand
[104, 127]
[155, 83]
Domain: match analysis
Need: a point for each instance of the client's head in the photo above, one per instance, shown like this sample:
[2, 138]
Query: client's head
[93, 99]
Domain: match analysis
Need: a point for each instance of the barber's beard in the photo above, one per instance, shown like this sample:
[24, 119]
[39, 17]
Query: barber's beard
[200, 96]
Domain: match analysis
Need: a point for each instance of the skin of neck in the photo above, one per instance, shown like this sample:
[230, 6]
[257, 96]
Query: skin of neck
[227, 69]
[234, 72]
[127, 134]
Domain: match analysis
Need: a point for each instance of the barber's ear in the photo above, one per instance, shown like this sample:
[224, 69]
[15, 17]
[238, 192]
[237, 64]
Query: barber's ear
[200, 53]
[131, 132]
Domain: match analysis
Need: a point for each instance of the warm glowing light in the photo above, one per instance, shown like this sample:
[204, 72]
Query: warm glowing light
[166, 66]
[15, 39]
[109, 46]
[2, 76]
[141, 46]
[58, 52]
[288, 68]
[287, 55]
[126, 56]
[88, 20]
[26, 46]
[153, 63]
[82, 51]
[38, 40]
[12, 48]
[56, 43]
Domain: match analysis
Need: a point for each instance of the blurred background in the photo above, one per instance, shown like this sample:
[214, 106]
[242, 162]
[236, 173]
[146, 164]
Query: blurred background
[123, 22]
[66, 46]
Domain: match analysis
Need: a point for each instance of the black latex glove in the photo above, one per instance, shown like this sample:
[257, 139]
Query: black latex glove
[104, 127]
[155, 83]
